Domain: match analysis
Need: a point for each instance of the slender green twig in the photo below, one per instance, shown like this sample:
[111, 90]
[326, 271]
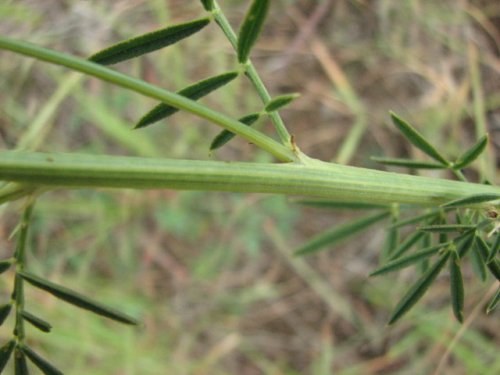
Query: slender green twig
[252, 75]
[261, 140]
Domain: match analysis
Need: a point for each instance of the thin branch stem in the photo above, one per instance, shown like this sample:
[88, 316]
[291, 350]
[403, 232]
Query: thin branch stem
[261, 140]
[252, 75]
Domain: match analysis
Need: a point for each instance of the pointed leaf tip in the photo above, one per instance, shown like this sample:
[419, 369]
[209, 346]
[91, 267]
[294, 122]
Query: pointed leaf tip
[280, 101]
[494, 302]
[37, 322]
[45, 366]
[77, 299]
[194, 92]
[4, 312]
[471, 154]
[251, 28]
[149, 42]
[472, 200]
[418, 289]
[417, 139]
[225, 136]
[5, 353]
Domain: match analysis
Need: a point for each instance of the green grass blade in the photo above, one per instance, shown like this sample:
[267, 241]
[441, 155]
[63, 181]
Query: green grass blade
[471, 154]
[77, 299]
[208, 4]
[408, 260]
[456, 287]
[472, 200]
[280, 101]
[225, 136]
[251, 28]
[331, 204]
[408, 163]
[417, 139]
[493, 303]
[149, 42]
[20, 364]
[37, 322]
[418, 289]
[5, 353]
[446, 228]
[194, 92]
[5, 265]
[4, 312]
[340, 233]
[46, 367]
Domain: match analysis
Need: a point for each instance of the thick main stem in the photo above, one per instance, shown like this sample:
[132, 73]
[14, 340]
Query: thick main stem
[313, 178]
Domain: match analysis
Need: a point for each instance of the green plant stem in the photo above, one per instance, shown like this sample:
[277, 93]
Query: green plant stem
[314, 178]
[266, 143]
[20, 257]
[252, 75]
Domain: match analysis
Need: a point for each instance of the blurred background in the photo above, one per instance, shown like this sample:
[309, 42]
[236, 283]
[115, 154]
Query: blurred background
[211, 274]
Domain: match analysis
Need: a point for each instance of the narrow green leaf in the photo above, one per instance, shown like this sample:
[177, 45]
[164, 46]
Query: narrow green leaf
[456, 287]
[225, 136]
[251, 28]
[392, 237]
[465, 243]
[494, 249]
[208, 4]
[408, 260]
[20, 365]
[483, 249]
[340, 233]
[417, 139]
[415, 219]
[5, 265]
[194, 92]
[329, 204]
[478, 264]
[471, 154]
[77, 299]
[411, 240]
[446, 228]
[37, 322]
[494, 302]
[472, 200]
[5, 353]
[408, 163]
[280, 101]
[4, 312]
[46, 367]
[418, 289]
[149, 42]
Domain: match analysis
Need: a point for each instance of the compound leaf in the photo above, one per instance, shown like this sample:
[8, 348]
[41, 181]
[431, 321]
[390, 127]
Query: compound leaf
[339, 233]
[149, 42]
[471, 154]
[418, 289]
[77, 299]
[251, 28]
[417, 139]
[194, 92]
